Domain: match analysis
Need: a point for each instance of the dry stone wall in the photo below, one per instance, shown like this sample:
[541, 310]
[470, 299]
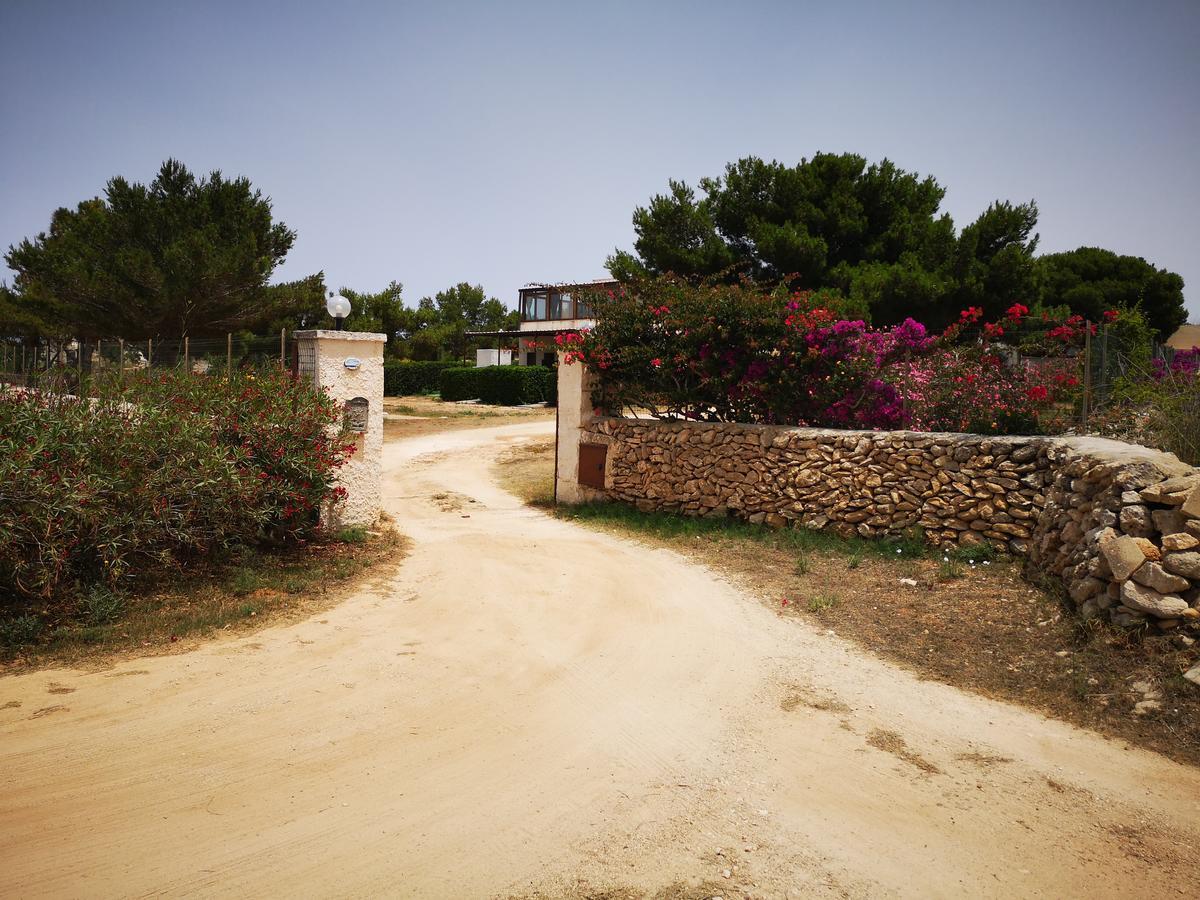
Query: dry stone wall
[1119, 524]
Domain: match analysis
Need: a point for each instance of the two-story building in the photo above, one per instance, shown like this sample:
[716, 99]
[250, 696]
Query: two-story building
[547, 311]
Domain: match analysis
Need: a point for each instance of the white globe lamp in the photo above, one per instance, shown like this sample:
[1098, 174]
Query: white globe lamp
[338, 307]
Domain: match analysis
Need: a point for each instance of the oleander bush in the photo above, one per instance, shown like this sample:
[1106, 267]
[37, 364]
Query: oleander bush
[500, 385]
[165, 467]
[402, 378]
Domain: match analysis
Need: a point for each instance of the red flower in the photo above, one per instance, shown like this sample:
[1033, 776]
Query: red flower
[1110, 315]
[1017, 311]
[1038, 393]
[656, 362]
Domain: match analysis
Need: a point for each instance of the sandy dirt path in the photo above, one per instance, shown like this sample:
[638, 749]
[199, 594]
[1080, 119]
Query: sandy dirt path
[528, 706]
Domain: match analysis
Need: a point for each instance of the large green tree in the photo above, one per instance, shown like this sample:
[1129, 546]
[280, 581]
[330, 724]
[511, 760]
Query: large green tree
[1091, 280]
[180, 256]
[382, 312]
[875, 233]
[462, 308]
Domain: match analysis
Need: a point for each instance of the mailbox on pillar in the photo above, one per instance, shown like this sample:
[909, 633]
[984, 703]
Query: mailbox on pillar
[357, 414]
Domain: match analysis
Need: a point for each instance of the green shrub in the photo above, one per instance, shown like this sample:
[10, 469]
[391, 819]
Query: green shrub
[153, 472]
[402, 378]
[100, 605]
[19, 631]
[1175, 415]
[500, 385]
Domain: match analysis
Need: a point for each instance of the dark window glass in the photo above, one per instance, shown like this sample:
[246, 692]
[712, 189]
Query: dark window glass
[533, 306]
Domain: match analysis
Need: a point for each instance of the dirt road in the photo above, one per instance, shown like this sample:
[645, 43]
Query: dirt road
[528, 707]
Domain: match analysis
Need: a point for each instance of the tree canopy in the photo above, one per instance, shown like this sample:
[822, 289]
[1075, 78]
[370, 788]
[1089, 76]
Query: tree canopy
[875, 235]
[1091, 280]
[182, 256]
[441, 322]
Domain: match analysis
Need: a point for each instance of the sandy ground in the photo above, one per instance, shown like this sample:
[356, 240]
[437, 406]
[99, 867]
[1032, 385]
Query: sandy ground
[528, 707]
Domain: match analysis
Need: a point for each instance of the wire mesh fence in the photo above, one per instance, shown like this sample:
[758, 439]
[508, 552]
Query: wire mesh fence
[48, 362]
[1090, 367]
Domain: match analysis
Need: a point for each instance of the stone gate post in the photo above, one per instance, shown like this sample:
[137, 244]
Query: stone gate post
[349, 366]
[575, 411]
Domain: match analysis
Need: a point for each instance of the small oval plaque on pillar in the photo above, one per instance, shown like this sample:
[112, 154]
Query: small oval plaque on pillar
[356, 414]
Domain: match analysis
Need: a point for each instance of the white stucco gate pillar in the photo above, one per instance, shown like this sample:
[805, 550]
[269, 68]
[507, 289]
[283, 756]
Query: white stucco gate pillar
[575, 412]
[349, 366]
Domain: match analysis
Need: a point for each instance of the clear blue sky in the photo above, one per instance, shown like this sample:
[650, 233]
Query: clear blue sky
[503, 143]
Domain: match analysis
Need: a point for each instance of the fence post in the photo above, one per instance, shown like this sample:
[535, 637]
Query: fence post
[186, 365]
[1105, 378]
[149, 353]
[99, 353]
[282, 347]
[120, 360]
[228, 354]
[1087, 371]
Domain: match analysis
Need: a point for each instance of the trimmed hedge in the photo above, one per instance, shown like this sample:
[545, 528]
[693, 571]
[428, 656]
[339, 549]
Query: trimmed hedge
[501, 385]
[402, 378]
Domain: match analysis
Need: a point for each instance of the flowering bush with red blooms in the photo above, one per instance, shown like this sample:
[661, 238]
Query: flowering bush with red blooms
[166, 468]
[733, 353]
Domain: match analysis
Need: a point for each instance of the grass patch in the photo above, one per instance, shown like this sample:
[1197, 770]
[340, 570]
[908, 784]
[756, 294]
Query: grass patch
[802, 564]
[802, 542]
[250, 590]
[354, 534]
[949, 570]
[100, 605]
[822, 602]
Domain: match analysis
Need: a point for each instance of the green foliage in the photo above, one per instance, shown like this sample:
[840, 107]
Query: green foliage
[462, 308]
[873, 233]
[823, 602]
[1091, 280]
[403, 378]
[292, 306]
[500, 385]
[949, 570]
[382, 313]
[353, 534]
[993, 262]
[181, 256]
[20, 631]
[161, 469]
[1175, 415]
[100, 605]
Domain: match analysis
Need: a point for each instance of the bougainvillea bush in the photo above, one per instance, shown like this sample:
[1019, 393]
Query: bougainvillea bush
[156, 471]
[733, 353]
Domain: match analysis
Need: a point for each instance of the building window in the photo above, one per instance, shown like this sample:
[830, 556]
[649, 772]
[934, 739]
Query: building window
[533, 306]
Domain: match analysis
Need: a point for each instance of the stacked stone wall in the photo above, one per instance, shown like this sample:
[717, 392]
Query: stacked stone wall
[1119, 524]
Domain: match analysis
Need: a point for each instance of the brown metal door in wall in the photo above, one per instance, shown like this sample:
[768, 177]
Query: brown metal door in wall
[591, 465]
